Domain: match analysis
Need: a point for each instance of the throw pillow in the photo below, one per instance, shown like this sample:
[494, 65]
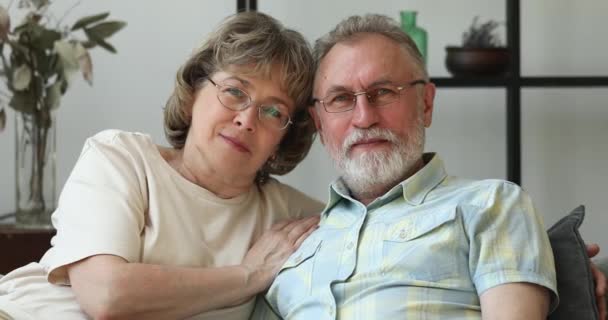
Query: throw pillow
[574, 279]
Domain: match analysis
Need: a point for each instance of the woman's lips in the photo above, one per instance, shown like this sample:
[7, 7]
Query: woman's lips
[238, 145]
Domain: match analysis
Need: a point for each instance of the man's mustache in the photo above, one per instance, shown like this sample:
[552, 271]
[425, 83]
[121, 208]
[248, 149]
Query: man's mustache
[361, 135]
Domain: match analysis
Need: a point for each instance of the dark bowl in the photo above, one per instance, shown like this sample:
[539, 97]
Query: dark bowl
[475, 62]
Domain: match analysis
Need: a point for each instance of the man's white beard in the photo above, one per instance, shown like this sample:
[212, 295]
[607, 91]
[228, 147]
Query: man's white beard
[370, 174]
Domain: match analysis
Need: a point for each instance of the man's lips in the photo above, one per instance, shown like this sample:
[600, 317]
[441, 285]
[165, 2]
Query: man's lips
[237, 144]
[368, 143]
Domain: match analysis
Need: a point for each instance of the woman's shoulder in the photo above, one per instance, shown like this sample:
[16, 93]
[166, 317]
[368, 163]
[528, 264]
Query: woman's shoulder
[116, 138]
[122, 144]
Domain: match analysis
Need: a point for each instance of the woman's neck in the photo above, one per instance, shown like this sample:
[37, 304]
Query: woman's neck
[198, 171]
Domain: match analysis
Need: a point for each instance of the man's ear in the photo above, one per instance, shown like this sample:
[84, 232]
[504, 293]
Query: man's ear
[429, 101]
[312, 111]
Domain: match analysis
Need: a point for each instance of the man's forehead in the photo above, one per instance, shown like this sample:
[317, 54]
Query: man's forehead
[359, 64]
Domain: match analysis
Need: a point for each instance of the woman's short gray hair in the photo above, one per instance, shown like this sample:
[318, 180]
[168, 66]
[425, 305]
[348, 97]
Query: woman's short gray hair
[250, 43]
[353, 26]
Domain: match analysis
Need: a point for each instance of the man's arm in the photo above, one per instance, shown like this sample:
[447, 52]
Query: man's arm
[514, 301]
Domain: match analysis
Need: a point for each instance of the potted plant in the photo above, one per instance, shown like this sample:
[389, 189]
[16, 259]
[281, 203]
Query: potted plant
[37, 58]
[481, 54]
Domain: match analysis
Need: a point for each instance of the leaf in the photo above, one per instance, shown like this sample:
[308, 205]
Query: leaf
[2, 119]
[89, 44]
[102, 43]
[105, 29]
[106, 46]
[46, 39]
[85, 21]
[67, 54]
[53, 96]
[5, 22]
[23, 102]
[22, 77]
[85, 62]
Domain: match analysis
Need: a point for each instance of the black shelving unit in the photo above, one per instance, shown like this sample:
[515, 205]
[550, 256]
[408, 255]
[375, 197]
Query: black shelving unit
[513, 82]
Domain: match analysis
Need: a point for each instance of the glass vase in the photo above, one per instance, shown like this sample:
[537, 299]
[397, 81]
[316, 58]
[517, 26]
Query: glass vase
[419, 35]
[35, 176]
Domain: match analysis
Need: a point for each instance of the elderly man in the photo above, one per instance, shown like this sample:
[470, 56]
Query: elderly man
[400, 238]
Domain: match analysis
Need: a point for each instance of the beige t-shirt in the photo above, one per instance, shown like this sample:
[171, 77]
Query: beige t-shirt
[124, 199]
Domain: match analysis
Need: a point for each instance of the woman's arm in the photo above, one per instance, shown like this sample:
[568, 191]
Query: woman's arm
[108, 287]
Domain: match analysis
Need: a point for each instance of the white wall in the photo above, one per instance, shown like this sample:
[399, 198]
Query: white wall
[564, 131]
[131, 87]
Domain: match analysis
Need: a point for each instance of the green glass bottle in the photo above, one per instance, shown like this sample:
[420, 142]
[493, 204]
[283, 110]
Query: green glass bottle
[419, 35]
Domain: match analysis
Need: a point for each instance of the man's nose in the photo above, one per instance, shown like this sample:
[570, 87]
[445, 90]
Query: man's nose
[365, 114]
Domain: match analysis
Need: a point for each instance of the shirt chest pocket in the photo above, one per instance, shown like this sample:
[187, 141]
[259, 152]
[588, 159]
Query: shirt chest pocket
[423, 247]
[294, 280]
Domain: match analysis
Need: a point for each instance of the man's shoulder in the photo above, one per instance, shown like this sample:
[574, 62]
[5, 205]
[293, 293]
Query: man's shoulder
[480, 192]
[476, 185]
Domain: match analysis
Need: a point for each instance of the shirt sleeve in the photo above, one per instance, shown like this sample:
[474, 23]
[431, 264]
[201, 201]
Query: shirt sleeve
[262, 310]
[101, 208]
[508, 242]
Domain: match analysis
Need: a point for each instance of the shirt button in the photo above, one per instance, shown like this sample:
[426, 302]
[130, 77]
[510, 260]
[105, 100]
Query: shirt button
[402, 234]
[331, 311]
[349, 246]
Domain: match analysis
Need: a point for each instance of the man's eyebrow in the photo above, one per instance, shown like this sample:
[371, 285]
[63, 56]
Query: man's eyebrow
[339, 88]
[380, 82]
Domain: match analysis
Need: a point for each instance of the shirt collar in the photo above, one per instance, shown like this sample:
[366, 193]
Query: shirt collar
[418, 186]
[414, 189]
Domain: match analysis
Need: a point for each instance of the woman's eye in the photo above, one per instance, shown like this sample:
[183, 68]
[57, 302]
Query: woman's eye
[271, 111]
[235, 92]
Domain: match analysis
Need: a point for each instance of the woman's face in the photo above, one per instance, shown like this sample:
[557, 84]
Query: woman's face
[232, 142]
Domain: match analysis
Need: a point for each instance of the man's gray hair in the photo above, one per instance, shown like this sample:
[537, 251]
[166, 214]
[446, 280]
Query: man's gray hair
[353, 26]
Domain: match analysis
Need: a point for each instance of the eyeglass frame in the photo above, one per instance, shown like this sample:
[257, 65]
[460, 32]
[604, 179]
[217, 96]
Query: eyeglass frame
[356, 94]
[247, 105]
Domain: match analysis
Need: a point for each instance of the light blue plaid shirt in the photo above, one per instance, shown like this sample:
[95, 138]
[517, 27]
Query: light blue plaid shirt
[425, 250]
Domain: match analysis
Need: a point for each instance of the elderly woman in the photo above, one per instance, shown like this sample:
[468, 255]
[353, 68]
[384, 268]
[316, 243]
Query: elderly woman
[146, 232]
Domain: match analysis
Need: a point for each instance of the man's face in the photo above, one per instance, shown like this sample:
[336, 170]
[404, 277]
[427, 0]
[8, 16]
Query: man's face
[369, 143]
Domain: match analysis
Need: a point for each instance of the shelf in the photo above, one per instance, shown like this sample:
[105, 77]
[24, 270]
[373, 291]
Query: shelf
[552, 81]
[564, 81]
[465, 82]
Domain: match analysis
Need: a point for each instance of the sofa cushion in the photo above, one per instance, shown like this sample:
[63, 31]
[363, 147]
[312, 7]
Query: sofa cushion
[572, 265]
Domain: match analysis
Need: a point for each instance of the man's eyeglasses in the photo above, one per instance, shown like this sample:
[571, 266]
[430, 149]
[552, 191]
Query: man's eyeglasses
[342, 101]
[271, 115]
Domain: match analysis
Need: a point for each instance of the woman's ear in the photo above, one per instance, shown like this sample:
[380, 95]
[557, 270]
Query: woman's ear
[315, 118]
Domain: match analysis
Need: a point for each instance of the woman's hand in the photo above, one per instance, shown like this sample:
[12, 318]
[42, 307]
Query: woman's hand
[272, 249]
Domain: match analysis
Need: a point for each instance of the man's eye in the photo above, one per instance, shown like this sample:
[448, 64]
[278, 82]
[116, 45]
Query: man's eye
[384, 91]
[341, 97]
